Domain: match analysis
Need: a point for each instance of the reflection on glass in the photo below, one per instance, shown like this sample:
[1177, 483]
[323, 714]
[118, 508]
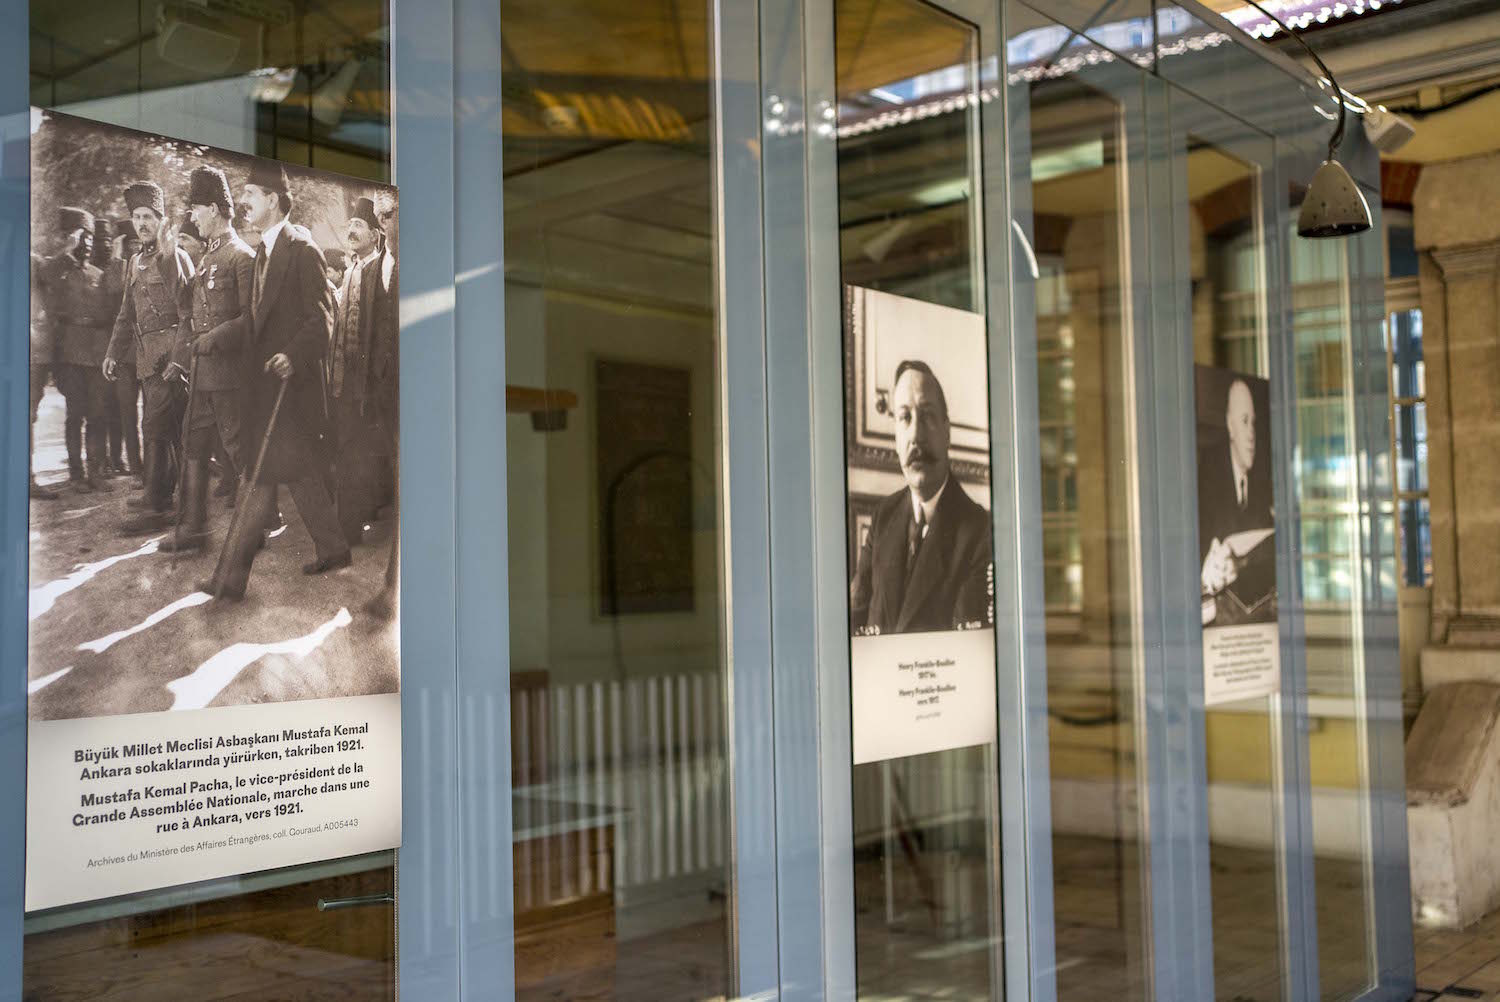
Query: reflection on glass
[926, 879]
[1077, 230]
[1229, 331]
[1326, 478]
[614, 453]
[306, 86]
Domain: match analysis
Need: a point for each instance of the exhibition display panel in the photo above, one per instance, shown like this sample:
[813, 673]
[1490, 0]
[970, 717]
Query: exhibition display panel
[850, 499]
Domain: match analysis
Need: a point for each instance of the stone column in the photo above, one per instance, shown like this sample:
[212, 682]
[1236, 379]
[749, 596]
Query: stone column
[1473, 421]
[1460, 284]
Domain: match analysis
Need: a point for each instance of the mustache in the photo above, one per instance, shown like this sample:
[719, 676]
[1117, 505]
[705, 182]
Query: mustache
[916, 453]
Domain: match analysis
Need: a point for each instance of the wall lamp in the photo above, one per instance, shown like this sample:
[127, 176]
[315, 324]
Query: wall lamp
[1334, 205]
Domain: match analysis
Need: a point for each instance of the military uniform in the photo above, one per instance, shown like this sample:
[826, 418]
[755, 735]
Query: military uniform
[220, 295]
[125, 391]
[75, 298]
[154, 315]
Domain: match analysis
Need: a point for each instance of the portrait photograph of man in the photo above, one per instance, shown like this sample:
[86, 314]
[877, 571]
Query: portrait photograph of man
[918, 434]
[1236, 507]
[924, 563]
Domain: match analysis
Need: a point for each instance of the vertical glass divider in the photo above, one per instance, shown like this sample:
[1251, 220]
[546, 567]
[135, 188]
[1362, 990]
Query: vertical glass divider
[1295, 839]
[1020, 614]
[825, 359]
[805, 433]
[1380, 678]
[487, 965]
[15, 215]
[1182, 846]
[429, 936]
[1149, 612]
[735, 73]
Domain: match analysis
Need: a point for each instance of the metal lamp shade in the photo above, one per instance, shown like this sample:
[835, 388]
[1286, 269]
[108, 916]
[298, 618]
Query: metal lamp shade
[1334, 206]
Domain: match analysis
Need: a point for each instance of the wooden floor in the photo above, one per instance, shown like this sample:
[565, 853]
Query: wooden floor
[276, 945]
[1459, 965]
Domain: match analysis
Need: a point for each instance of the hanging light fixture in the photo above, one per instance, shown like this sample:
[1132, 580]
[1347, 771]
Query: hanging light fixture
[1334, 206]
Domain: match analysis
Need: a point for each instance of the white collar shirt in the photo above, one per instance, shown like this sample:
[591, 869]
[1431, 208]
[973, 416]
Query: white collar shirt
[268, 238]
[922, 510]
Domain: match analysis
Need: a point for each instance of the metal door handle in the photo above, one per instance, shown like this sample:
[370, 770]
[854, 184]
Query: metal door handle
[334, 904]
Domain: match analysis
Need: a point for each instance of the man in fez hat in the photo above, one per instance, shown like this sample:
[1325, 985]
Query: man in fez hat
[291, 311]
[74, 298]
[153, 321]
[361, 440]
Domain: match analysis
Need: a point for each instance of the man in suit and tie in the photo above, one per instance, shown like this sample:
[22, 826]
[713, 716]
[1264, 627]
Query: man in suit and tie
[925, 565]
[1234, 495]
[358, 364]
[291, 322]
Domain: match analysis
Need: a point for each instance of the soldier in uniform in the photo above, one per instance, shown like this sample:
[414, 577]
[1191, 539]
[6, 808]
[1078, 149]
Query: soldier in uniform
[74, 297]
[152, 324]
[284, 355]
[220, 293]
[107, 261]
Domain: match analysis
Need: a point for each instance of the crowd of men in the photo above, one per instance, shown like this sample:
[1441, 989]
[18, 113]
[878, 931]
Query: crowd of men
[183, 349]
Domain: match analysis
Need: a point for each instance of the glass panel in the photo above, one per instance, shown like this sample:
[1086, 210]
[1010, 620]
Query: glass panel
[1326, 478]
[615, 456]
[926, 880]
[1229, 332]
[1416, 542]
[307, 86]
[1077, 232]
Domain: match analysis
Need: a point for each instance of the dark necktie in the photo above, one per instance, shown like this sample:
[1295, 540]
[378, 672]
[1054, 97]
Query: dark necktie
[261, 258]
[913, 539]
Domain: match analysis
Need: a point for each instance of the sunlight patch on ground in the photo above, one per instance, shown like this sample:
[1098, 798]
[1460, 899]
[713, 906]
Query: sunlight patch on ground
[38, 684]
[73, 513]
[185, 602]
[45, 596]
[195, 691]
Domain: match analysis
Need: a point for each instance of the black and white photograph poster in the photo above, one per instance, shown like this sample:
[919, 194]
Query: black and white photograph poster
[921, 591]
[1236, 536]
[214, 667]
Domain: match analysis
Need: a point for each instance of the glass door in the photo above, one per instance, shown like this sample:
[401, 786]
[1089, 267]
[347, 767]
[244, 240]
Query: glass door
[130, 99]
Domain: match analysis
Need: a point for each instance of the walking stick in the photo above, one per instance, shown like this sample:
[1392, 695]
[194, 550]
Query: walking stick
[217, 582]
[182, 460]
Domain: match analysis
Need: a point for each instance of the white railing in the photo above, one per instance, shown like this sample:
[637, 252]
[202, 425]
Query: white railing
[649, 754]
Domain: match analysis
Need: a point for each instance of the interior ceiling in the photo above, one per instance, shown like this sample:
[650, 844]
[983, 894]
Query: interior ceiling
[99, 48]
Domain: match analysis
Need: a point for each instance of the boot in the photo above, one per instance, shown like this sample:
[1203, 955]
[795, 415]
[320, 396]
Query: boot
[39, 493]
[192, 534]
[157, 502]
[94, 475]
[73, 437]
